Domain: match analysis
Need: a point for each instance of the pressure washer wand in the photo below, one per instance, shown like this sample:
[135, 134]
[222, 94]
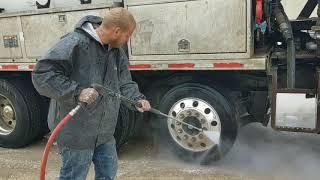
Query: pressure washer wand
[106, 91]
[190, 126]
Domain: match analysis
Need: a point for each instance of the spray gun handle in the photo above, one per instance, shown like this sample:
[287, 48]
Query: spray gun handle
[82, 104]
[104, 91]
[100, 89]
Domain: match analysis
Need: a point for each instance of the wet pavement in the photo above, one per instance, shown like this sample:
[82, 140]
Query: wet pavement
[259, 153]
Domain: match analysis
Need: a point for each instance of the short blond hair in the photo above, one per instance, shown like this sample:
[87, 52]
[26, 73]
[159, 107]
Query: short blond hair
[120, 17]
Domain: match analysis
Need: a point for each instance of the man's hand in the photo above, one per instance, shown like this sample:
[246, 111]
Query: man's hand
[145, 106]
[88, 95]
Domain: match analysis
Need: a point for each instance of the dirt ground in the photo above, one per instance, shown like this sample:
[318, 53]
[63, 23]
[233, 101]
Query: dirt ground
[258, 154]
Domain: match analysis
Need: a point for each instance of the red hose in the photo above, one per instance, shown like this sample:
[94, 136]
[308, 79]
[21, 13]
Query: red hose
[54, 133]
[259, 11]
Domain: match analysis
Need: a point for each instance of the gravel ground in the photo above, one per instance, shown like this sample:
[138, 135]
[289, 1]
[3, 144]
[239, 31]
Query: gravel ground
[258, 154]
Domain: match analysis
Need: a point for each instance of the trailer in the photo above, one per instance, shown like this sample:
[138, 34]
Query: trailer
[216, 64]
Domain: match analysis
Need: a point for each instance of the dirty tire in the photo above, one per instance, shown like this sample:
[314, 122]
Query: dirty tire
[44, 104]
[227, 115]
[124, 126]
[27, 113]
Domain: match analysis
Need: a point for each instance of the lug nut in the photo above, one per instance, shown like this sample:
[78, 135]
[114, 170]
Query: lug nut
[193, 139]
[178, 123]
[203, 145]
[200, 136]
[185, 137]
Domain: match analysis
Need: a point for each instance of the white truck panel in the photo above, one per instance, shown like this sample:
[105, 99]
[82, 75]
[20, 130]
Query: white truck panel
[27, 5]
[168, 32]
[207, 29]
[38, 30]
[48, 33]
[10, 30]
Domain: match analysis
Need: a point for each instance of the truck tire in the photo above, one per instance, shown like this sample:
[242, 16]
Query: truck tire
[125, 126]
[20, 119]
[205, 108]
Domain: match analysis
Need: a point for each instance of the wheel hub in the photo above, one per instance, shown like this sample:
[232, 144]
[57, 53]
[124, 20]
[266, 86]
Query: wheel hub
[7, 116]
[198, 113]
[193, 121]
[8, 112]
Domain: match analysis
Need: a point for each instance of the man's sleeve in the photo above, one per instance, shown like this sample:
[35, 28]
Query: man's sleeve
[51, 74]
[128, 87]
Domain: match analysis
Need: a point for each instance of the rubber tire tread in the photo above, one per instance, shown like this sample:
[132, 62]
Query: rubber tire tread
[28, 125]
[227, 114]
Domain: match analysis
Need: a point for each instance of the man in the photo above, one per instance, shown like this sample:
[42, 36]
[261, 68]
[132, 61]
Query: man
[90, 54]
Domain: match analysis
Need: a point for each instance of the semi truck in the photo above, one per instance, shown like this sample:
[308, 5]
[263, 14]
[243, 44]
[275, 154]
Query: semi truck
[215, 64]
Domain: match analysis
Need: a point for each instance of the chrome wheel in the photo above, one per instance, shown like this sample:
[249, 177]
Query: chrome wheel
[198, 113]
[7, 116]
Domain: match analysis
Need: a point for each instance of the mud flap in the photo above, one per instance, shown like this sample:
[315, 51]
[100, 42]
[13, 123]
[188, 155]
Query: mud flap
[295, 110]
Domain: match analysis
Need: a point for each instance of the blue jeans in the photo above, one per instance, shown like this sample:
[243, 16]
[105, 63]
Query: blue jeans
[76, 163]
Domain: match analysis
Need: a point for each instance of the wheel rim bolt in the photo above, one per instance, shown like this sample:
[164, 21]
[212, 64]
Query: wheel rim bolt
[194, 139]
[185, 137]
